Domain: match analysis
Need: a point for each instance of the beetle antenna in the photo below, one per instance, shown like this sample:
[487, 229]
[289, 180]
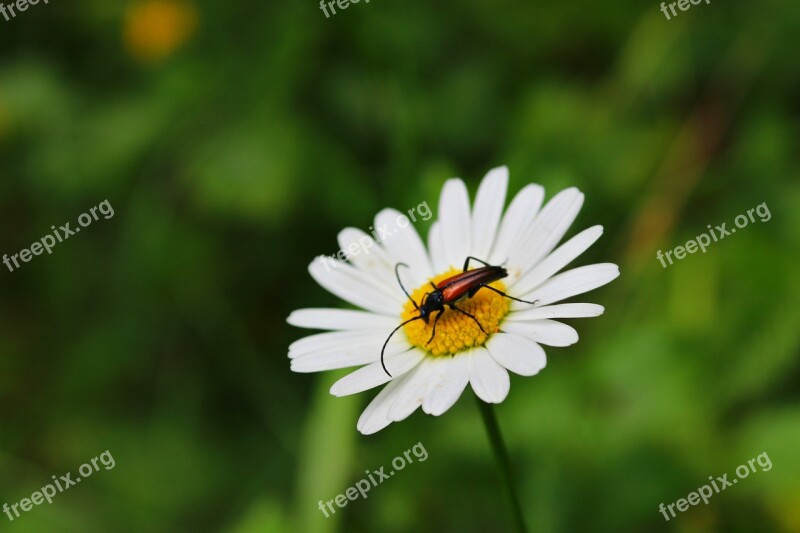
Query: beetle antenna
[390, 336]
[397, 275]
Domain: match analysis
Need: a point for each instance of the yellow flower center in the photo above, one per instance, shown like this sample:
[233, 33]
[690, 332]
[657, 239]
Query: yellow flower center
[456, 331]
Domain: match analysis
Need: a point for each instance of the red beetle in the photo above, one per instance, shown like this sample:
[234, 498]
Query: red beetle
[448, 292]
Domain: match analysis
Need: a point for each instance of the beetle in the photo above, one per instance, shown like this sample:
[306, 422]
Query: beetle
[450, 291]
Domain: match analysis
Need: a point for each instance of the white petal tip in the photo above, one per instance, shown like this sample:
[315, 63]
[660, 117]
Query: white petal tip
[371, 429]
[292, 318]
[500, 172]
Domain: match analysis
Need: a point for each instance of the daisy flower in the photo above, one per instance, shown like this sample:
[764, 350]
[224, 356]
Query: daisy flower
[432, 373]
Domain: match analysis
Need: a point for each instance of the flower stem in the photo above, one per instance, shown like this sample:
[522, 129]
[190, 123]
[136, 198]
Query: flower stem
[500, 454]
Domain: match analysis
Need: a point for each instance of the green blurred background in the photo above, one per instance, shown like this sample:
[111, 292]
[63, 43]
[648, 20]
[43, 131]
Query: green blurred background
[235, 139]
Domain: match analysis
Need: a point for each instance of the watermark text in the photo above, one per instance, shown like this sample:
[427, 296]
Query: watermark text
[373, 479]
[719, 484]
[59, 485]
[703, 240]
[46, 243]
[379, 234]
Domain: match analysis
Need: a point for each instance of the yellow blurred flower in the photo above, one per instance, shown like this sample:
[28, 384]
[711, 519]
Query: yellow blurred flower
[154, 29]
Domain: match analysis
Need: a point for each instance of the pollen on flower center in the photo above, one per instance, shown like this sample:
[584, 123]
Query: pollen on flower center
[456, 331]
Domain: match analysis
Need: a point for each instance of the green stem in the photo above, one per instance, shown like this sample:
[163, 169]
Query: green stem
[500, 454]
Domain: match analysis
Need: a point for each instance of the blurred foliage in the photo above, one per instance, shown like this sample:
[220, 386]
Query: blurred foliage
[234, 140]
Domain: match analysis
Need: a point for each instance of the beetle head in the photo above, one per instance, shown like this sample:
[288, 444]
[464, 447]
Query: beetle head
[434, 301]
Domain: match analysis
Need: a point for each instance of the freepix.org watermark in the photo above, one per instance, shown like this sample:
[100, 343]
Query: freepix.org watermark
[379, 234]
[46, 243]
[343, 4]
[703, 240]
[19, 5]
[683, 5]
[59, 485]
[373, 479]
[719, 484]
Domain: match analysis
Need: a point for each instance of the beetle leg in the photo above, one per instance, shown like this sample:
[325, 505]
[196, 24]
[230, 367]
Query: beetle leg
[452, 306]
[466, 263]
[501, 293]
[433, 334]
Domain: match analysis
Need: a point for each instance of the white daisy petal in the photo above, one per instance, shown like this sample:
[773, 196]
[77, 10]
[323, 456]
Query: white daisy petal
[518, 354]
[331, 361]
[374, 419]
[547, 332]
[339, 319]
[447, 386]
[519, 216]
[547, 230]
[331, 340]
[436, 248]
[489, 380]
[557, 311]
[404, 245]
[413, 393]
[372, 375]
[568, 284]
[347, 352]
[363, 253]
[488, 209]
[348, 284]
[354, 354]
[455, 222]
[557, 260]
